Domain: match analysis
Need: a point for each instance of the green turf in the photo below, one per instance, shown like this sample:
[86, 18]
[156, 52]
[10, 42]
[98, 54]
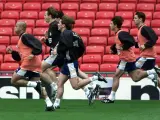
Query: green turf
[79, 110]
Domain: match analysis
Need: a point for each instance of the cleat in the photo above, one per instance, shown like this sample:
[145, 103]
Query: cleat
[93, 94]
[50, 108]
[96, 90]
[100, 77]
[90, 97]
[107, 101]
[155, 80]
[157, 69]
[38, 88]
[57, 107]
[53, 95]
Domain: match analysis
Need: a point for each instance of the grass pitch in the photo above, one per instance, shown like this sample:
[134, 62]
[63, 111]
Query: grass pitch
[79, 110]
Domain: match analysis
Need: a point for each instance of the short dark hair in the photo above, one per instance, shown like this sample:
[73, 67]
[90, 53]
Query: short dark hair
[118, 20]
[52, 11]
[68, 21]
[60, 14]
[141, 15]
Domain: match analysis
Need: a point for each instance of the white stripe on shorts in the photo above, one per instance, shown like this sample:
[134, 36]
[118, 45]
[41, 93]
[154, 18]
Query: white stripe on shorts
[50, 59]
[21, 72]
[72, 70]
[140, 62]
[122, 65]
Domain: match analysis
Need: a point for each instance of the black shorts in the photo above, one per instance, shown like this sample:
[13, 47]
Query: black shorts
[126, 66]
[145, 63]
[54, 60]
[27, 74]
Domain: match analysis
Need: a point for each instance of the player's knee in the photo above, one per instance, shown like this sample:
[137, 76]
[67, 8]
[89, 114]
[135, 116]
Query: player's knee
[75, 87]
[13, 82]
[135, 79]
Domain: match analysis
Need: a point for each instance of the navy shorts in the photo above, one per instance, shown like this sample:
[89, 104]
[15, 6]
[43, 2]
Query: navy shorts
[145, 63]
[126, 66]
[54, 60]
[70, 69]
[27, 74]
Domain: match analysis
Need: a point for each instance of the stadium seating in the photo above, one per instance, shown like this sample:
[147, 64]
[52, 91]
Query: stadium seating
[88, 7]
[108, 67]
[92, 21]
[92, 59]
[47, 5]
[83, 23]
[102, 41]
[9, 66]
[14, 40]
[110, 59]
[10, 15]
[69, 7]
[108, 7]
[32, 6]
[104, 15]
[13, 6]
[89, 67]
[4, 40]
[126, 7]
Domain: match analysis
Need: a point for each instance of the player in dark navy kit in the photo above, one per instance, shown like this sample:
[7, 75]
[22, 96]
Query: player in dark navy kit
[51, 39]
[70, 47]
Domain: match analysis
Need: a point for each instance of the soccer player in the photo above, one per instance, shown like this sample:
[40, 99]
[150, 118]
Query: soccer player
[28, 50]
[71, 48]
[51, 39]
[146, 43]
[123, 46]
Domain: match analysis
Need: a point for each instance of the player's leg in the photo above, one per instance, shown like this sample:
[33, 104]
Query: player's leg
[72, 71]
[49, 105]
[121, 68]
[18, 79]
[146, 64]
[54, 79]
[115, 86]
[61, 81]
[139, 74]
[48, 76]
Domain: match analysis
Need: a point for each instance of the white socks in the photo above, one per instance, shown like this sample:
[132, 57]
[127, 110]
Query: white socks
[31, 84]
[86, 90]
[151, 76]
[112, 95]
[48, 102]
[93, 78]
[57, 102]
[152, 71]
[54, 86]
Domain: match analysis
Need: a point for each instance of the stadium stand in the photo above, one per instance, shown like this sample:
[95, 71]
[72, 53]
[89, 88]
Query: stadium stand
[92, 20]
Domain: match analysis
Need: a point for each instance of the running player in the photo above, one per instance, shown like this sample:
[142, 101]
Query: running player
[123, 46]
[71, 48]
[146, 43]
[51, 39]
[28, 50]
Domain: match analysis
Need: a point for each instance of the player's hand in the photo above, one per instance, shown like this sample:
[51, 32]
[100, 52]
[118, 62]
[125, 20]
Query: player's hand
[30, 57]
[9, 49]
[54, 52]
[142, 47]
[46, 35]
[111, 52]
[43, 39]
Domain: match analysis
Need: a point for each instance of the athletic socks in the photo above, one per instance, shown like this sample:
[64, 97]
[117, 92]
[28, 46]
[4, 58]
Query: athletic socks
[32, 84]
[48, 102]
[112, 96]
